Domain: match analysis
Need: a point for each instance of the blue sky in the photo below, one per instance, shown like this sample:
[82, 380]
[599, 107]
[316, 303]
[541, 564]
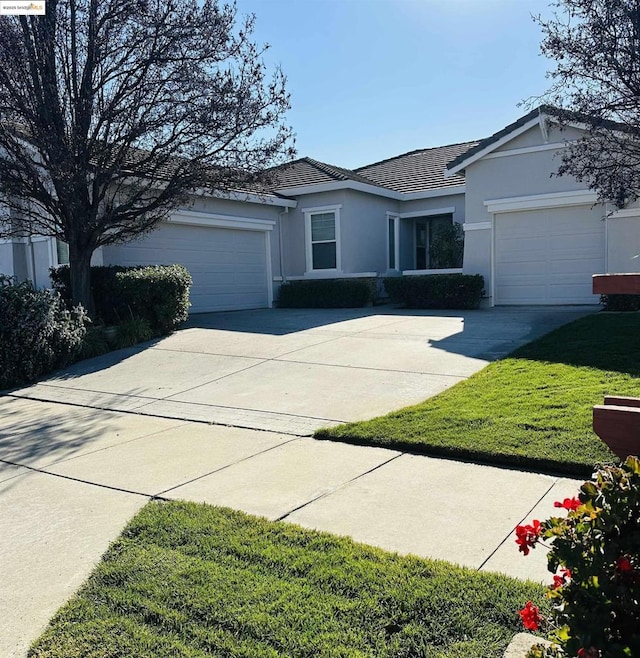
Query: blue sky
[370, 79]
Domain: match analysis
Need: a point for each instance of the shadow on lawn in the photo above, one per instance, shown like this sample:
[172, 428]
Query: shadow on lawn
[606, 341]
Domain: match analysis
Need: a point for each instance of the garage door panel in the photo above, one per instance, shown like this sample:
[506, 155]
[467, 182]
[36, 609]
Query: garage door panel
[548, 256]
[228, 266]
[521, 269]
[575, 267]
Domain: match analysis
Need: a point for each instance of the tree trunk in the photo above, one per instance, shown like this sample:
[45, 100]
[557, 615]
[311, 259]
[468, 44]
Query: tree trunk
[80, 270]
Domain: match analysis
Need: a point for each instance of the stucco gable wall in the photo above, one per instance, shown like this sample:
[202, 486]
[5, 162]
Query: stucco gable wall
[512, 176]
[534, 137]
[363, 226]
[364, 232]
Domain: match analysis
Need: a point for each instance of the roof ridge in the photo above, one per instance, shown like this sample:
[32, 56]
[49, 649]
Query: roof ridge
[404, 155]
[332, 170]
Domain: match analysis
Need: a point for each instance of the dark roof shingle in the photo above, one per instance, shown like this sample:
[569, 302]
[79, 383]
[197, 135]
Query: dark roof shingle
[307, 171]
[417, 171]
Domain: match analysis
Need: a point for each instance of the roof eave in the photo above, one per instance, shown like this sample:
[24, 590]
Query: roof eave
[371, 189]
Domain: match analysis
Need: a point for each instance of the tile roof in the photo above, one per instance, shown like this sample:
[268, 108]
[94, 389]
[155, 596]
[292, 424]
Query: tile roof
[417, 171]
[307, 171]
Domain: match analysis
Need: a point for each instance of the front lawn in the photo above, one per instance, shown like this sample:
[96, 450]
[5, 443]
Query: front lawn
[532, 409]
[187, 580]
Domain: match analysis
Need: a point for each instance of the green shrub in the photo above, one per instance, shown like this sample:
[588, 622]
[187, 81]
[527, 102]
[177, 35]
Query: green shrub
[328, 293]
[94, 343]
[132, 332]
[446, 247]
[595, 556]
[620, 302]
[158, 294]
[38, 333]
[456, 291]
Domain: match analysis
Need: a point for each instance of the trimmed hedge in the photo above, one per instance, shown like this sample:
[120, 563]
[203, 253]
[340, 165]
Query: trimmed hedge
[158, 294]
[620, 302]
[328, 293]
[38, 333]
[455, 291]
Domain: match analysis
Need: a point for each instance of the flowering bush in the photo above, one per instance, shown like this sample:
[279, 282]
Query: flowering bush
[595, 558]
[37, 332]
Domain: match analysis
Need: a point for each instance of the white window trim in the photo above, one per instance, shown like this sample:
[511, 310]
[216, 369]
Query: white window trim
[331, 274]
[449, 270]
[476, 226]
[538, 201]
[335, 209]
[396, 238]
[450, 210]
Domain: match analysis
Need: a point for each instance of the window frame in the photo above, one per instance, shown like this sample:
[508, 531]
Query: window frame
[308, 214]
[395, 218]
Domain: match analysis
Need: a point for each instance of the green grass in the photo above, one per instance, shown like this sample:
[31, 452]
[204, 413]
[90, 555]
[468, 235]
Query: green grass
[187, 580]
[532, 409]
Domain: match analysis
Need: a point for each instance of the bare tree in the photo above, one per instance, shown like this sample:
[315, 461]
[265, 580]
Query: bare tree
[113, 111]
[596, 82]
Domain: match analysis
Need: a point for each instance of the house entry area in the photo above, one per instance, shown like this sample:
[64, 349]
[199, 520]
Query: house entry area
[432, 250]
[438, 243]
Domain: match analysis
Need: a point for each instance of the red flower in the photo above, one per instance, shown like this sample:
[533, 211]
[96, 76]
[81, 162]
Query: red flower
[624, 566]
[527, 536]
[530, 616]
[591, 652]
[561, 579]
[568, 503]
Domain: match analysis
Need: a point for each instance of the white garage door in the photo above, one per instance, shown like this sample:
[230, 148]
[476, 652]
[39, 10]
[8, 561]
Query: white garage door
[548, 256]
[228, 266]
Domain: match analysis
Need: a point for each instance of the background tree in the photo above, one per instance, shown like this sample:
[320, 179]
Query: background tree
[596, 81]
[113, 111]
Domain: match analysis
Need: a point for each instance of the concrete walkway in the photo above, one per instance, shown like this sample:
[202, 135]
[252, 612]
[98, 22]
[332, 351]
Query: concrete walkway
[67, 490]
[74, 470]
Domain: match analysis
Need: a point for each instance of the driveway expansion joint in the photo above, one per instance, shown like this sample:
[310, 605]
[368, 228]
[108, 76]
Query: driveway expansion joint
[81, 481]
[326, 494]
[226, 466]
[510, 533]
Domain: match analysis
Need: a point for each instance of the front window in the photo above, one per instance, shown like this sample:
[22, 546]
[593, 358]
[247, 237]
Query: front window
[62, 252]
[439, 243]
[323, 241]
[392, 242]
[322, 231]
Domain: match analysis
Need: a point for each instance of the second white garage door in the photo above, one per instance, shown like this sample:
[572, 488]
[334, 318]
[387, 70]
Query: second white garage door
[548, 256]
[228, 266]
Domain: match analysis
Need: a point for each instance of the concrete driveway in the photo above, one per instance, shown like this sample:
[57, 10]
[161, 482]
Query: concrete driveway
[84, 450]
[293, 371]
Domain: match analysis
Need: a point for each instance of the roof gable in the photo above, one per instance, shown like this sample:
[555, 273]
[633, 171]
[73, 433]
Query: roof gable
[493, 142]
